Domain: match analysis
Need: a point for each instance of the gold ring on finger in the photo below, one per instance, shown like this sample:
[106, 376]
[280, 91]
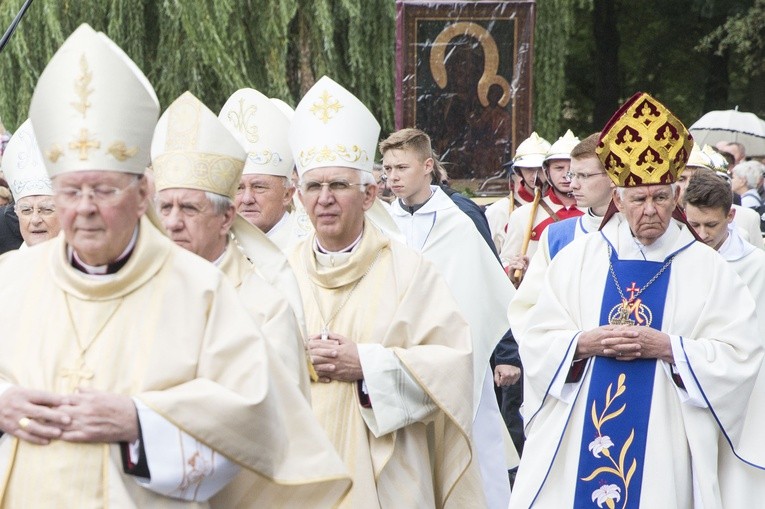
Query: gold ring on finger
[24, 422]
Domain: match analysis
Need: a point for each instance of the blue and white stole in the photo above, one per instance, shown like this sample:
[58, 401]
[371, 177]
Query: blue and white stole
[612, 451]
[560, 234]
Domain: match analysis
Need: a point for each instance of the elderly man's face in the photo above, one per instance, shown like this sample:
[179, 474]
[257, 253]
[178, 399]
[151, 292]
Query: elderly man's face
[100, 222]
[37, 218]
[337, 215]
[191, 221]
[648, 210]
[263, 199]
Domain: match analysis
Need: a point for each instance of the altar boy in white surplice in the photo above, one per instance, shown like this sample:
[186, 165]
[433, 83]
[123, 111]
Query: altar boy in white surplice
[130, 374]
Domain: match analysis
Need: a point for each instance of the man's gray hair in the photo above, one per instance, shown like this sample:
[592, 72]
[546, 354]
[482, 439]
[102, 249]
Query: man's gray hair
[751, 171]
[221, 204]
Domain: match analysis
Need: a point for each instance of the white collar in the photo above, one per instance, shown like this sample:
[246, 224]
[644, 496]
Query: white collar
[279, 225]
[735, 247]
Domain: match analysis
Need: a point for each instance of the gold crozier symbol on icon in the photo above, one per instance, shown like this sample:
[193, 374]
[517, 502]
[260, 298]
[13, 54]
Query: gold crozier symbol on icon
[631, 311]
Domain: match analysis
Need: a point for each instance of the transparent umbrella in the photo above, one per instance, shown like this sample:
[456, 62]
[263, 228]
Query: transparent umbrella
[731, 125]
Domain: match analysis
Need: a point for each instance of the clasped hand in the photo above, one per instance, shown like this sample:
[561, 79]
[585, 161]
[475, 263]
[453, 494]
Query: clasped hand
[85, 416]
[625, 343]
[335, 358]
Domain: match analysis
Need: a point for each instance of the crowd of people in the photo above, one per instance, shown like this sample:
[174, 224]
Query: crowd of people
[219, 310]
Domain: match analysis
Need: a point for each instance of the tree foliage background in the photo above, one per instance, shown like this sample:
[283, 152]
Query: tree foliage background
[695, 55]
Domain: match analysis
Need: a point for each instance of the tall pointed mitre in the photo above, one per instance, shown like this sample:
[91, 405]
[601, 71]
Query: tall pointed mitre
[92, 108]
[531, 152]
[23, 165]
[192, 149]
[285, 108]
[261, 128]
[331, 127]
[699, 159]
[562, 147]
[644, 143]
[717, 162]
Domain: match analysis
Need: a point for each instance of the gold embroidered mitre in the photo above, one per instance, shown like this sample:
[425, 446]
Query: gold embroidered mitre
[531, 152]
[261, 128]
[716, 160]
[92, 108]
[331, 127]
[699, 158]
[644, 143]
[192, 149]
[23, 165]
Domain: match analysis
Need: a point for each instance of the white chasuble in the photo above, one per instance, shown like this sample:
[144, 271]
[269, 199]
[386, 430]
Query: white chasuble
[741, 484]
[448, 238]
[710, 316]
[403, 305]
[167, 329]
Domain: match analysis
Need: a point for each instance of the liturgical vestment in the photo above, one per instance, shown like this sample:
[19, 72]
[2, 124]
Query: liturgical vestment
[272, 313]
[166, 329]
[579, 450]
[448, 239]
[412, 447]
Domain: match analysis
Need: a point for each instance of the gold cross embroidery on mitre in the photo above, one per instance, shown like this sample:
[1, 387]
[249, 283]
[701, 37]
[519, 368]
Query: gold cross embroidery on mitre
[84, 144]
[326, 107]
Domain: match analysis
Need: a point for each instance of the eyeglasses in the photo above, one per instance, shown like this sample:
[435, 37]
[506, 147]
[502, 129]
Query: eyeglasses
[334, 186]
[45, 210]
[100, 194]
[582, 177]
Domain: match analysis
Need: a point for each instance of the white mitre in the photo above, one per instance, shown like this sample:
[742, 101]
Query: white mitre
[23, 165]
[331, 127]
[285, 108]
[192, 149]
[261, 128]
[93, 109]
[562, 147]
[699, 159]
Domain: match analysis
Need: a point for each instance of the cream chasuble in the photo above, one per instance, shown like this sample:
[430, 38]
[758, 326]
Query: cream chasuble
[403, 305]
[271, 312]
[167, 330]
[710, 317]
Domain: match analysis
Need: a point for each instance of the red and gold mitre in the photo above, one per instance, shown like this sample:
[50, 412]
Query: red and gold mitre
[644, 143]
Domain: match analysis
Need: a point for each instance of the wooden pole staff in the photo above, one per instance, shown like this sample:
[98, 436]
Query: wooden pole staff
[527, 236]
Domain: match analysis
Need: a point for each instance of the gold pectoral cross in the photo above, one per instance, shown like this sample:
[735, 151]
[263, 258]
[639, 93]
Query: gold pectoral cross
[76, 375]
